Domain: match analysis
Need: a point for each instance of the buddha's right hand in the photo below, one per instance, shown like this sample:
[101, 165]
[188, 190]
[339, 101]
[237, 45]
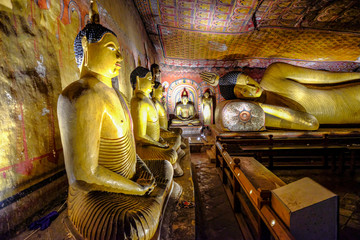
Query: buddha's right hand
[147, 185]
[163, 143]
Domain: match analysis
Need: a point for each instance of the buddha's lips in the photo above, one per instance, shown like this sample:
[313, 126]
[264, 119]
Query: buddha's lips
[257, 90]
[118, 64]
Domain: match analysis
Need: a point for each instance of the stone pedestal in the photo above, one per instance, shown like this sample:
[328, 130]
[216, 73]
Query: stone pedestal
[188, 130]
[309, 210]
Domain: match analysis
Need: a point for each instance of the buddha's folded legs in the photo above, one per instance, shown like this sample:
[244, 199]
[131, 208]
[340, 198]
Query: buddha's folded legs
[157, 153]
[105, 215]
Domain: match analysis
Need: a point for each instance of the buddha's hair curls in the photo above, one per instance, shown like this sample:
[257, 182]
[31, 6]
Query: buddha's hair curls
[137, 72]
[94, 33]
[227, 84]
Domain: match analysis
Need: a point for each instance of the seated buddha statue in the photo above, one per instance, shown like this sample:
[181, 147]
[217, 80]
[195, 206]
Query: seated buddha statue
[185, 113]
[169, 136]
[207, 106]
[149, 144]
[113, 194]
[295, 97]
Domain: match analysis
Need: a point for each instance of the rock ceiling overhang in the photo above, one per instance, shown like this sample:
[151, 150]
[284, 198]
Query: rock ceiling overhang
[223, 33]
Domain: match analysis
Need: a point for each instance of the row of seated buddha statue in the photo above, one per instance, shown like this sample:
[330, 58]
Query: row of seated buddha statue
[120, 171]
[290, 97]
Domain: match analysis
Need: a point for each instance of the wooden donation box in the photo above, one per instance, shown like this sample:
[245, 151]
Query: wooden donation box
[309, 210]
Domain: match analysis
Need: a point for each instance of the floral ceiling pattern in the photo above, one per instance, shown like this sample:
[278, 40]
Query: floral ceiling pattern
[219, 33]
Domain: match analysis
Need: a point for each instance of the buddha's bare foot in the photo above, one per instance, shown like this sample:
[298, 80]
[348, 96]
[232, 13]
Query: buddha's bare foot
[178, 172]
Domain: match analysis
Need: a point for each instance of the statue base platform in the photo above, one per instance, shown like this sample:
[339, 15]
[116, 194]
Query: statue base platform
[188, 130]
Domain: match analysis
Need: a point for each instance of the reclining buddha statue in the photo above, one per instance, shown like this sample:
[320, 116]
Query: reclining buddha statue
[149, 144]
[185, 112]
[113, 194]
[295, 97]
[173, 135]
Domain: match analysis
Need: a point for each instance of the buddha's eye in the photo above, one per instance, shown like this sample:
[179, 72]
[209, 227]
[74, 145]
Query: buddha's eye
[111, 48]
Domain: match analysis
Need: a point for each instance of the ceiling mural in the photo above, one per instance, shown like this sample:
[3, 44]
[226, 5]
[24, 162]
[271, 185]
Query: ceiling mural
[225, 33]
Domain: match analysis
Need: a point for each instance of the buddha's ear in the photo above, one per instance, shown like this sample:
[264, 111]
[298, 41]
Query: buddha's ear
[137, 82]
[84, 44]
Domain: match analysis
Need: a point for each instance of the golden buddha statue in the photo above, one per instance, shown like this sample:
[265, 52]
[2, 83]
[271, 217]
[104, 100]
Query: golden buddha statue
[207, 106]
[149, 144]
[295, 97]
[173, 137]
[185, 112]
[113, 194]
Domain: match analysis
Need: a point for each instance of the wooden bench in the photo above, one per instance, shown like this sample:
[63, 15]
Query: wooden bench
[248, 184]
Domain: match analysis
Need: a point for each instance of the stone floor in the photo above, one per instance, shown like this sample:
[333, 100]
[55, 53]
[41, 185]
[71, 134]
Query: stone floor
[214, 216]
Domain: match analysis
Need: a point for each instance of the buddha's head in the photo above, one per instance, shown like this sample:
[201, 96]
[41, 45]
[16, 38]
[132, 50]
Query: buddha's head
[239, 85]
[206, 94]
[158, 91]
[184, 97]
[184, 100]
[141, 80]
[97, 50]
[155, 70]
[247, 87]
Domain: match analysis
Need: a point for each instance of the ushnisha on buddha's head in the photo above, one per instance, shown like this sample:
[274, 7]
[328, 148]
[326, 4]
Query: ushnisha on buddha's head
[97, 51]
[184, 97]
[141, 80]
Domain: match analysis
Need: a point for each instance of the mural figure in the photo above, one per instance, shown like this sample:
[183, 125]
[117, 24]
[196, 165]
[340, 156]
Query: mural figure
[113, 194]
[207, 108]
[294, 97]
[185, 112]
[149, 144]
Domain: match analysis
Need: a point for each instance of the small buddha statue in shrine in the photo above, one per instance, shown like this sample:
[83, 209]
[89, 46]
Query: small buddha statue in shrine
[113, 194]
[207, 108]
[149, 143]
[294, 97]
[185, 112]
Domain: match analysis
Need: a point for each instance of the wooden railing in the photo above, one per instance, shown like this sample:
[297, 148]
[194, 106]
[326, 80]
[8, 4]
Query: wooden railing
[248, 184]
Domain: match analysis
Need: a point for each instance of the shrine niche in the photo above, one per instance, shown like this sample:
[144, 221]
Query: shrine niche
[174, 91]
[185, 112]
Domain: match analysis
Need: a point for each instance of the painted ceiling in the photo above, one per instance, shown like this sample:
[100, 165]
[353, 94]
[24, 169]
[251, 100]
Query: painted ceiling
[224, 33]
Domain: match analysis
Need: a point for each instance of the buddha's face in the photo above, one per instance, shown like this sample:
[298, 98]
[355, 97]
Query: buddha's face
[156, 73]
[104, 57]
[206, 94]
[158, 92]
[184, 100]
[246, 87]
[146, 83]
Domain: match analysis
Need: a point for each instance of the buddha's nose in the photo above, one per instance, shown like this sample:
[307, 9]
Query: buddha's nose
[119, 56]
